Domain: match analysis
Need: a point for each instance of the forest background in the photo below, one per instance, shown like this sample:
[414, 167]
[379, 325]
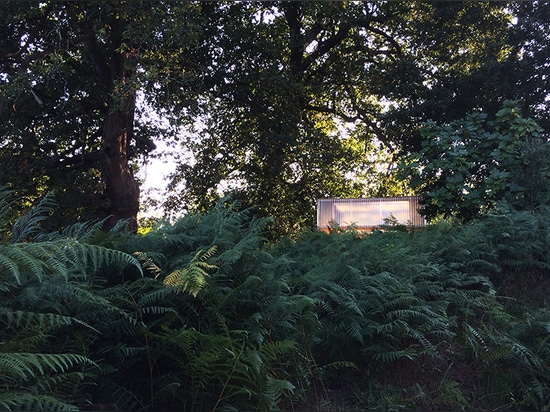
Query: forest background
[235, 300]
[274, 104]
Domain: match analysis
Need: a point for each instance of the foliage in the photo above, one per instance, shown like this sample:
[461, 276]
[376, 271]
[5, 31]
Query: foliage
[38, 281]
[507, 53]
[290, 100]
[233, 344]
[304, 105]
[205, 314]
[69, 110]
[414, 311]
[465, 167]
[192, 278]
[223, 370]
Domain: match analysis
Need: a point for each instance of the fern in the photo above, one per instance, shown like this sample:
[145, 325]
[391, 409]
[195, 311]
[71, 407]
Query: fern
[23, 401]
[25, 365]
[395, 355]
[236, 373]
[260, 324]
[234, 366]
[192, 278]
[33, 320]
[58, 257]
[53, 313]
[27, 227]
[83, 232]
[33, 371]
[275, 390]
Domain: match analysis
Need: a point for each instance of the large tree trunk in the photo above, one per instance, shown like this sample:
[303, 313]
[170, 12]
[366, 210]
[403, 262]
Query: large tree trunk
[118, 129]
[114, 73]
[122, 188]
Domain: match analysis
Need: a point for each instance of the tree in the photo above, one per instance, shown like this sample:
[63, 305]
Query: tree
[531, 34]
[466, 166]
[274, 85]
[285, 77]
[70, 77]
[464, 57]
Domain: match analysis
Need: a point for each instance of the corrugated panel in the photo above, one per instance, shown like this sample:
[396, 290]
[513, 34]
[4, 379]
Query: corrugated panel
[368, 213]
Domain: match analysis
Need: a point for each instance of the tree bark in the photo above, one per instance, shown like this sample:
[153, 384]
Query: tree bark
[118, 129]
[122, 188]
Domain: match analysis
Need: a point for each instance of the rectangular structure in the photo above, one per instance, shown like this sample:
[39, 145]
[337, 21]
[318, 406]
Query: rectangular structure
[367, 214]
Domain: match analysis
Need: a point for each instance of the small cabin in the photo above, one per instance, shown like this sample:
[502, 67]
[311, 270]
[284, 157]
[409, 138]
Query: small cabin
[368, 214]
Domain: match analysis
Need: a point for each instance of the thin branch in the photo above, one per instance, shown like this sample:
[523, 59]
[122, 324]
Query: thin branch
[332, 110]
[326, 46]
[82, 161]
[96, 56]
[366, 25]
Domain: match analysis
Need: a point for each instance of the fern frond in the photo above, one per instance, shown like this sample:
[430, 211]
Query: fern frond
[148, 263]
[120, 226]
[275, 389]
[80, 231]
[58, 257]
[526, 356]
[152, 294]
[17, 400]
[274, 350]
[353, 329]
[99, 256]
[126, 399]
[18, 318]
[392, 356]
[337, 365]
[8, 265]
[192, 278]
[19, 258]
[475, 341]
[62, 383]
[30, 365]
[124, 351]
[157, 310]
[27, 226]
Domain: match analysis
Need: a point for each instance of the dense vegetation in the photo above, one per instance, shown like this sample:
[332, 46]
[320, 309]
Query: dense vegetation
[240, 303]
[274, 102]
[204, 314]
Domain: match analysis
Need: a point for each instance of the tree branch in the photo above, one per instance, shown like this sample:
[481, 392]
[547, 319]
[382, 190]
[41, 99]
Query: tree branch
[84, 160]
[332, 110]
[296, 42]
[326, 46]
[366, 25]
[96, 56]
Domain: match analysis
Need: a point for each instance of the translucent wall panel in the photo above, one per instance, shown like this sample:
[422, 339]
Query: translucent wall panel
[368, 213]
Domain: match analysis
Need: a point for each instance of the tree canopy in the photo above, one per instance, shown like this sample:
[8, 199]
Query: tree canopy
[292, 101]
[71, 72]
[469, 165]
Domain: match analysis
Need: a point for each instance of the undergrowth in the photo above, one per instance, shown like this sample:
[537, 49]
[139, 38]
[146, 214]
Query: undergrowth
[206, 314]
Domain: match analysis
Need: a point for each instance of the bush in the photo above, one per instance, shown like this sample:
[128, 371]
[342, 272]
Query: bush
[469, 165]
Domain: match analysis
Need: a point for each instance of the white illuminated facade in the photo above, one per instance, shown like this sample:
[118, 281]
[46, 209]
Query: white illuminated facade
[367, 214]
